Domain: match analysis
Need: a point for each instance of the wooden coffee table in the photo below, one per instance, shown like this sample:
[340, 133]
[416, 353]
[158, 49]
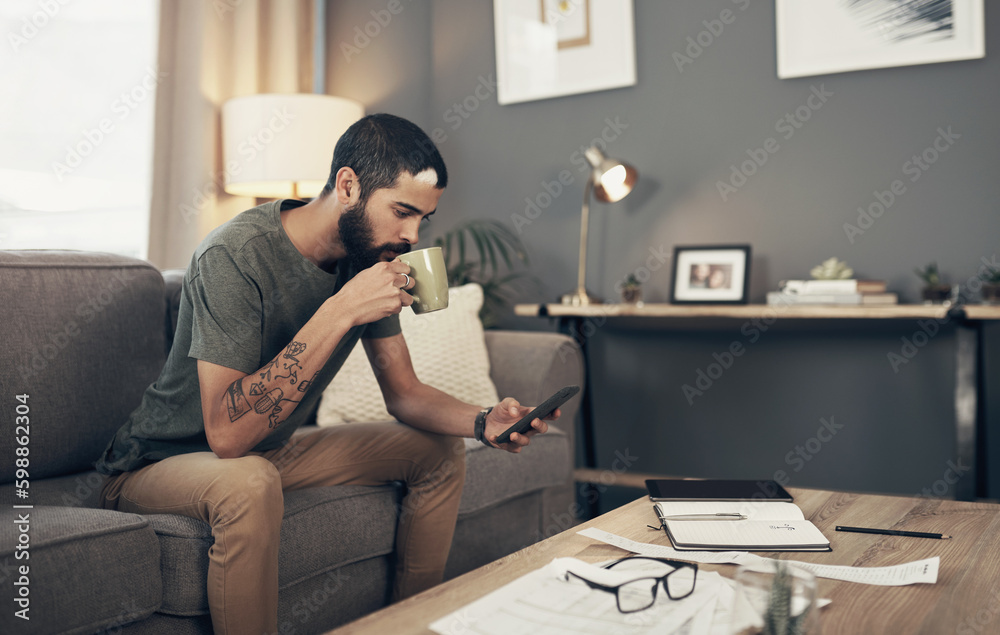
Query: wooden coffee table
[966, 598]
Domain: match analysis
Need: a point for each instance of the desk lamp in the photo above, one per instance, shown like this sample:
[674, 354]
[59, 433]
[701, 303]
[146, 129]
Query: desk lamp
[611, 181]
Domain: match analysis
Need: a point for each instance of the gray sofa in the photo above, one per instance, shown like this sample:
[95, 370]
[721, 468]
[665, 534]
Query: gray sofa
[85, 333]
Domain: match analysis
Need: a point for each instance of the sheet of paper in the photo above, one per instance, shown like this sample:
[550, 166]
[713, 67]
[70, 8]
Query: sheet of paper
[701, 623]
[544, 602]
[754, 510]
[661, 551]
[916, 572]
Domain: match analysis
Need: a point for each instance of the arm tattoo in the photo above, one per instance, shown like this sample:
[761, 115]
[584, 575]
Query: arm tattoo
[291, 366]
[268, 401]
[285, 366]
[304, 386]
[235, 400]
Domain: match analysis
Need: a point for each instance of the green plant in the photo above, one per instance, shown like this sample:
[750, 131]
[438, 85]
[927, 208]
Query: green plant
[831, 269]
[488, 253]
[929, 274]
[631, 282]
[779, 619]
[991, 275]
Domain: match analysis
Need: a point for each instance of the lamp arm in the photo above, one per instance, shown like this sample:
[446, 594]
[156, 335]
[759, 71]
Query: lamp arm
[581, 280]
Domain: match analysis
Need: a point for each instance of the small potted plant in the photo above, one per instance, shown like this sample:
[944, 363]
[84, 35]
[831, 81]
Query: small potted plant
[832, 269]
[934, 291]
[631, 290]
[990, 292]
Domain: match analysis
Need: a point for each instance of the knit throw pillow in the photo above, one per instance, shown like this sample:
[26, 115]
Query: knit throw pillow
[448, 352]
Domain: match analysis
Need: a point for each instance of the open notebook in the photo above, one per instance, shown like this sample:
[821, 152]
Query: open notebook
[769, 526]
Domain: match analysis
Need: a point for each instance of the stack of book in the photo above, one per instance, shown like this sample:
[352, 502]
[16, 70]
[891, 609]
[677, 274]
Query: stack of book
[866, 292]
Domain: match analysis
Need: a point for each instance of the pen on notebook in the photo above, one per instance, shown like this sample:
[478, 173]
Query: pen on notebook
[894, 532]
[719, 516]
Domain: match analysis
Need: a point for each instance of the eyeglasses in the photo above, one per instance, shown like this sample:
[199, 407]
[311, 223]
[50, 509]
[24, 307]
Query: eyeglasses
[677, 579]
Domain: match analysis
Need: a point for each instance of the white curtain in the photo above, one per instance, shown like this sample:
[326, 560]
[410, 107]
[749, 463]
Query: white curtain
[211, 51]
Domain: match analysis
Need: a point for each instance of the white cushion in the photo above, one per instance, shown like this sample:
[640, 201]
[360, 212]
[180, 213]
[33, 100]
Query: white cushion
[448, 352]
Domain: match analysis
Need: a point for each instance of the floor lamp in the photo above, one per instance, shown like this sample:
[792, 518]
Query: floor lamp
[610, 181]
[280, 145]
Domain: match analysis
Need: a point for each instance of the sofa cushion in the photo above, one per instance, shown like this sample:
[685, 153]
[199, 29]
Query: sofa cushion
[448, 352]
[323, 529]
[88, 341]
[89, 569]
[75, 490]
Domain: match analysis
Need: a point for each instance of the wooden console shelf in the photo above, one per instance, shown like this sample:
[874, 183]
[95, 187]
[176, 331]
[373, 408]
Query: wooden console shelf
[967, 319]
[742, 311]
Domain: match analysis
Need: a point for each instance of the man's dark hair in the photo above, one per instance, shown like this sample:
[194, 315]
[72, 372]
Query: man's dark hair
[379, 148]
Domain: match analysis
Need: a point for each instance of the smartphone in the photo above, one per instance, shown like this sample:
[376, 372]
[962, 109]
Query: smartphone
[546, 408]
[716, 490]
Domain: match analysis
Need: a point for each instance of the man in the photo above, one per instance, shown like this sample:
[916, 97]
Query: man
[272, 303]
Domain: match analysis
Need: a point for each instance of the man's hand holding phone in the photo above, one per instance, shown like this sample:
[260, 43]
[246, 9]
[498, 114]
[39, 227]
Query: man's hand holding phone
[507, 413]
[510, 425]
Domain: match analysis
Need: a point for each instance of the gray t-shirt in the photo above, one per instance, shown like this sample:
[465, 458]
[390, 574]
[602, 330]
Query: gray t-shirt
[245, 295]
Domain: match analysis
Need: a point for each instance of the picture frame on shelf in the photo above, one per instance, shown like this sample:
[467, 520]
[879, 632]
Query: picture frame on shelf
[820, 37]
[711, 274]
[552, 48]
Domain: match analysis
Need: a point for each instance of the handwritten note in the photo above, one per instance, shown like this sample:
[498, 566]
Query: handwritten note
[917, 572]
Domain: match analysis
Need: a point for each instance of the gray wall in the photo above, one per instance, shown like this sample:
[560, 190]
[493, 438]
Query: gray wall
[684, 130]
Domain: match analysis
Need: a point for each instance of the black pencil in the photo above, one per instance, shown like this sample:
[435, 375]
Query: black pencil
[894, 532]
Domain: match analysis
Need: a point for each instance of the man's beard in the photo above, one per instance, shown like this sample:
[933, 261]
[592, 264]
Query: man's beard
[358, 237]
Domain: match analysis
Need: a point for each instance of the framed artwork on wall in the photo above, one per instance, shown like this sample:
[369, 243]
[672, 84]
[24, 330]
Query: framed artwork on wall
[711, 274]
[551, 48]
[833, 36]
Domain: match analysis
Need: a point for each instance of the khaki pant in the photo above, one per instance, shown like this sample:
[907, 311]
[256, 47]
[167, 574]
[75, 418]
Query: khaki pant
[242, 501]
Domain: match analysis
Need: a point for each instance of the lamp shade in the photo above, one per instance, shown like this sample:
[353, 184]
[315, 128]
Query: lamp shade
[613, 179]
[281, 145]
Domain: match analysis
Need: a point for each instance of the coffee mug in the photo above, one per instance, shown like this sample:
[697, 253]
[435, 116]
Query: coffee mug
[430, 279]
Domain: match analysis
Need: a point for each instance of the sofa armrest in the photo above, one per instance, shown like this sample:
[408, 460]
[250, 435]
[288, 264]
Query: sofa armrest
[530, 366]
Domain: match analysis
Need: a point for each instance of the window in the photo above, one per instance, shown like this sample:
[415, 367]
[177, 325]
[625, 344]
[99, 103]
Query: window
[76, 124]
